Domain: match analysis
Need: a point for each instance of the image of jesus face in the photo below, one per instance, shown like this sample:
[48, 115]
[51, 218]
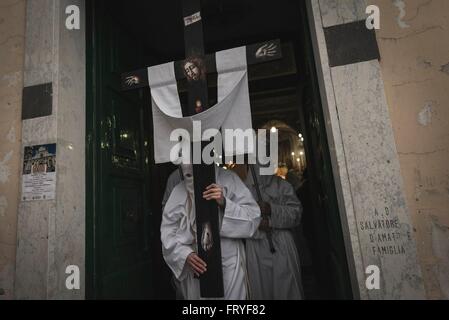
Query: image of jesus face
[192, 71]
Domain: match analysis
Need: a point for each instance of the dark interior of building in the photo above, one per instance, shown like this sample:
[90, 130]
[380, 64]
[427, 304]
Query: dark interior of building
[136, 34]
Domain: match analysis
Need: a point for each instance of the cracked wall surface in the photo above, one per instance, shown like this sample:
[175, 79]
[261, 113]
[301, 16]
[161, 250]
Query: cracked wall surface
[414, 46]
[12, 31]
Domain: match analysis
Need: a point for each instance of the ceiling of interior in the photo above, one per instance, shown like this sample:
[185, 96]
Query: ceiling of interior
[227, 23]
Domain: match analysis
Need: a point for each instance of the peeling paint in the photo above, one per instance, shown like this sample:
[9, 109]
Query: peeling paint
[4, 169]
[400, 4]
[425, 116]
[3, 206]
[445, 68]
[423, 63]
[11, 136]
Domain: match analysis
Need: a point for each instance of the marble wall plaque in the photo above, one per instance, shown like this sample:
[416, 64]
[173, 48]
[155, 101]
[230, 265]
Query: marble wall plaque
[37, 101]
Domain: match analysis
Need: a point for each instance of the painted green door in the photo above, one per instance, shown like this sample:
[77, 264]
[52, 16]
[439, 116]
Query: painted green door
[118, 225]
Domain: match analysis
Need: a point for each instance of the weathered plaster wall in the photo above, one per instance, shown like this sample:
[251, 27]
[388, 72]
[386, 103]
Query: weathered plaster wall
[414, 46]
[12, 39]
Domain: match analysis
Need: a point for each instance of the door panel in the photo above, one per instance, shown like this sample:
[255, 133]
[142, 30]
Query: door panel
[329, 248]
[121, 258]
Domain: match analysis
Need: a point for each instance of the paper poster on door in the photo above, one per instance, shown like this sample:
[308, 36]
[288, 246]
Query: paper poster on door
[39, 173]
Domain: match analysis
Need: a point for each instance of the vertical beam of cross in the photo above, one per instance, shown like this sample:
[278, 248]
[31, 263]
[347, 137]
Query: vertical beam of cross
[211, 283]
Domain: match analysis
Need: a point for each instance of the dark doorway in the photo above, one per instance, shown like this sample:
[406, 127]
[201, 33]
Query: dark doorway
[124, 185]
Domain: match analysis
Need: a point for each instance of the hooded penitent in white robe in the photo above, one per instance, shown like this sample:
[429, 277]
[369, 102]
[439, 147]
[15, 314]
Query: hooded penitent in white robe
[275, 276]
[239, 220]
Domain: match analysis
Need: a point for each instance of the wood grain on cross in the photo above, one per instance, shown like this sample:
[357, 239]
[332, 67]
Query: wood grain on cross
[194, 70]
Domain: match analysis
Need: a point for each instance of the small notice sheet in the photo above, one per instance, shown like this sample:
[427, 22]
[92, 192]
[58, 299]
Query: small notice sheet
[39, 173]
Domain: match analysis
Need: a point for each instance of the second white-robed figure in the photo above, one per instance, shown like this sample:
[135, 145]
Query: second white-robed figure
[273, 275]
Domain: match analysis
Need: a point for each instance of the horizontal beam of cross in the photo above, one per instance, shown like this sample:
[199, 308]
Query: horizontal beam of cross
[255, 53]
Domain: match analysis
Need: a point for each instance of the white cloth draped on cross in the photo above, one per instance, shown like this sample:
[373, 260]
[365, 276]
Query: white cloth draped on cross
[232, 110]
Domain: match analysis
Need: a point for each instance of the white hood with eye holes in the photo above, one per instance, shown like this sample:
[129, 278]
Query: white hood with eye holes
[187, 173]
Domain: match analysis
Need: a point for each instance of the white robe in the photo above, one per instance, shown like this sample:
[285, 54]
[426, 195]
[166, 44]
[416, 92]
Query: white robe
[239, 220]
[173, 180]
[275, 276]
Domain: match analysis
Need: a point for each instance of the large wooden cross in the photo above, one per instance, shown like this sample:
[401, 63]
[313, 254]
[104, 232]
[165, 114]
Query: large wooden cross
[193, 70]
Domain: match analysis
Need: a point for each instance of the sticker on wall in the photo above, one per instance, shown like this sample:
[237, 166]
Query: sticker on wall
[39, 173]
